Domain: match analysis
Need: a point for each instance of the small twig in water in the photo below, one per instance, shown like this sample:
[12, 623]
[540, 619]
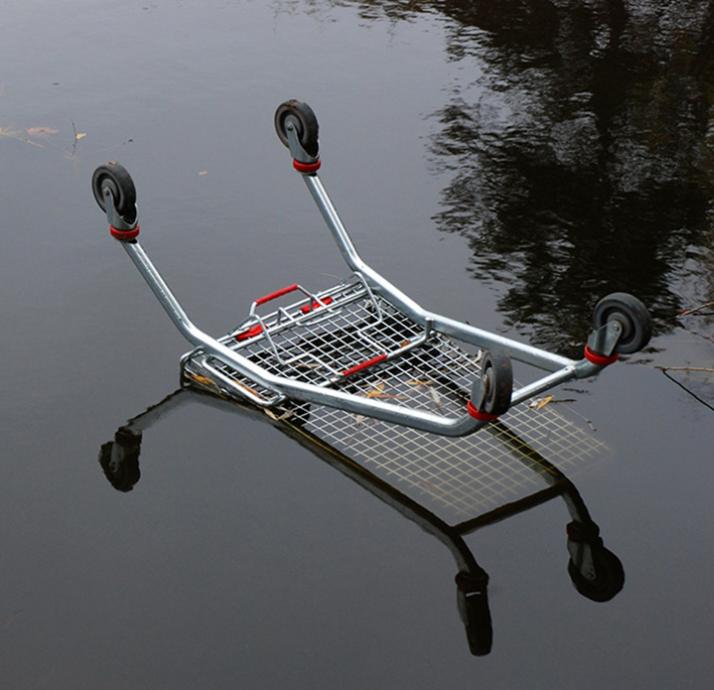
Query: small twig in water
[684, 388]
[694, 310]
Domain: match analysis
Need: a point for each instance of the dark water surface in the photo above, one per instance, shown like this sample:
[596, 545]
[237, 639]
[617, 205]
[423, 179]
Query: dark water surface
[504, 162]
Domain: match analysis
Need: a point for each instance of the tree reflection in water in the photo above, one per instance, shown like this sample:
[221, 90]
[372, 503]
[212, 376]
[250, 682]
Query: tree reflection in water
[580, 149]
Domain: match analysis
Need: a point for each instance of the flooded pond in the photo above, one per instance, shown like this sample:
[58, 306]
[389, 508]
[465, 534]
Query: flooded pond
[504, 163]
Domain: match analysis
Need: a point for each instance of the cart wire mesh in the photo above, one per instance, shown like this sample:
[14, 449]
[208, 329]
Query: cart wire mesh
[458, 478]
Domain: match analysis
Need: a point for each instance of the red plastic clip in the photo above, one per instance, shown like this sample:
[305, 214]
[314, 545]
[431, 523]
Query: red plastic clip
[124, 235]
[250, 332]
[477, 414]
[600, 360]
[307, 308]
[307, 167]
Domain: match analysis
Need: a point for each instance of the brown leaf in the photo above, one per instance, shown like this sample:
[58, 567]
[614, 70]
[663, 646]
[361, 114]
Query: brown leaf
[540, 403]
[41, 131]
[376, 391]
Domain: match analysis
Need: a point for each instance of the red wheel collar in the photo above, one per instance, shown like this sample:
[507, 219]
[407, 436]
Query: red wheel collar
[600, 360]
[124, 234]
[477, 414]
[307, 167]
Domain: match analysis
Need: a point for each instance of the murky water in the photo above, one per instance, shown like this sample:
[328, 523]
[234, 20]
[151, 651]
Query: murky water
[506, 163]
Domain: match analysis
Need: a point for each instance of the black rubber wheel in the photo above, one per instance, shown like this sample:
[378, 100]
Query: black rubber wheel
[119, 460]
[116, 178]
[491, 393]
[306, 124]
[632, 315]
[479, 629]
[472, 600]
[606, 579]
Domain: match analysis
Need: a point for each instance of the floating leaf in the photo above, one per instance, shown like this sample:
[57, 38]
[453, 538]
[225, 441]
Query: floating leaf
[540, 403]
[41, 131]
[19, 135]
[79, 136]
[202, 173]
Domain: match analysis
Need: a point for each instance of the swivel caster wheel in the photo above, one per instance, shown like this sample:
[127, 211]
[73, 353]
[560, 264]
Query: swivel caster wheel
[491, 392]
[114, 178]
[632, 316]
[304, 121]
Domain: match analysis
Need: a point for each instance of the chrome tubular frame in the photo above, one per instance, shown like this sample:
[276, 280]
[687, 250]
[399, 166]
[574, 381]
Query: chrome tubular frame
[560, 369]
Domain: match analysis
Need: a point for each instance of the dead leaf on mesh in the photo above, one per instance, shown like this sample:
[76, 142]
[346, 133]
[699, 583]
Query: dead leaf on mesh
[379, 392]
[436, 398]
[405, 343]
[203, 381]
[278, 417]
[41, 131]
[419, 382]
[248, 388]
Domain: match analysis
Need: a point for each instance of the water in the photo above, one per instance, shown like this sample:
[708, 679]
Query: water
[507, 164]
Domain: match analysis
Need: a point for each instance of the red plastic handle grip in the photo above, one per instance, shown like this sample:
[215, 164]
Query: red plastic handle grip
[277, 293]
[364, 365]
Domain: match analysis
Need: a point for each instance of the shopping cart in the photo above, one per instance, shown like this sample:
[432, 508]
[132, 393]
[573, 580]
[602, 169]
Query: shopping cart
[329, 347]
[449, 487]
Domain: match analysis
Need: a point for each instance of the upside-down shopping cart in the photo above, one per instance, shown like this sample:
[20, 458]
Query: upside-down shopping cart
[328, 347]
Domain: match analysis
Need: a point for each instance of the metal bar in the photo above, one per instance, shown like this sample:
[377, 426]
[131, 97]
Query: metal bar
[543, 384]
[519, 351]
[416, 419]
[278, 293]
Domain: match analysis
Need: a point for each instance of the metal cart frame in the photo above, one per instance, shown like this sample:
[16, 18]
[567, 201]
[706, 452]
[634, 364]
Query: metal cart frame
[621, 327]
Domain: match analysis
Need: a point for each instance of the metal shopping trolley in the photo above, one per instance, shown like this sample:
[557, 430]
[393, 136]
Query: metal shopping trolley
[450, 487]
[332, 347]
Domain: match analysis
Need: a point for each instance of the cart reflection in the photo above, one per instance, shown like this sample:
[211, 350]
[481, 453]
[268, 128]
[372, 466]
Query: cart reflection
[594, 570]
